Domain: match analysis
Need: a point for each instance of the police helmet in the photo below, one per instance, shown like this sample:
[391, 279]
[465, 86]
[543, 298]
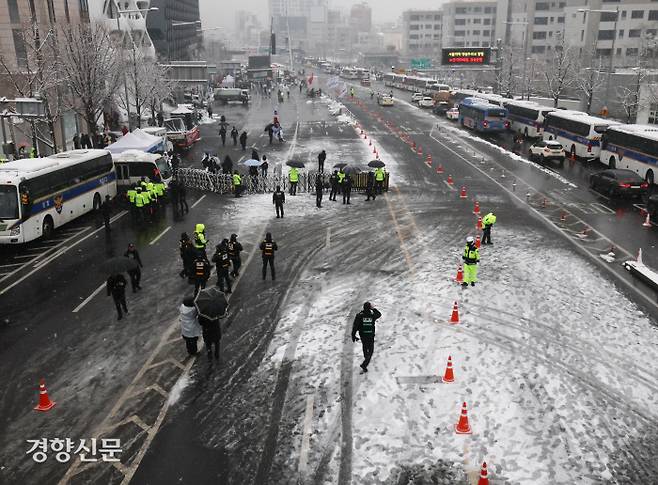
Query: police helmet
[470, 239]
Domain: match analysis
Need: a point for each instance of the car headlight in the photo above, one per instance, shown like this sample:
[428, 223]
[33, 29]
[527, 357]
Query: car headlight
[15, 231]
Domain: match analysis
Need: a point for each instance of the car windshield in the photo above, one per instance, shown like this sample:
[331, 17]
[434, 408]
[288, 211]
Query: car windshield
[555, 146]
[8, 202]
[163, 166]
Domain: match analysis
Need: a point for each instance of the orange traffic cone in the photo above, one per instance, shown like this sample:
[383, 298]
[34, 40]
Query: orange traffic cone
[647, 221]
[370, 143]
[476, 207]
[448, 376]
[413, 145]
[477, 242]
[450, 179]
[479, 224]
[543, 204]
[563, 217]
[460, 274]
[429, 160]
[454, 318]
[365, 136]
[484, 475]
[462, 427]
[45, 403]
[462, 194]
[439, 169]
[420, 150]
[374, 150]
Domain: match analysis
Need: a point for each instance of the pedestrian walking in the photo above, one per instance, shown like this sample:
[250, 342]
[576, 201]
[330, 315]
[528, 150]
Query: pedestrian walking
[106, 211]
[222, 262]
[189, 323]
[269, 129]
[254, 154]
[234, 135]
[212, 334]
[380, 176]
[182, 198]
[347, 189]
[134, 274]
[364, 325]
[471, 259]
[227, 165]
[268, 247]
[293, 178]
[222, 134]
[116, 287]
[333, 181]
[370, 186]
[264, 166]
[209, 111]
[321, 158]
[278, 199]
[487, 224]
[237, 184]
[243, 140]
[234, 250]
[201, 272]
[186, 252]
[319, 188]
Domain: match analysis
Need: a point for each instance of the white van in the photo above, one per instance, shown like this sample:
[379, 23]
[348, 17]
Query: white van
[132, 165]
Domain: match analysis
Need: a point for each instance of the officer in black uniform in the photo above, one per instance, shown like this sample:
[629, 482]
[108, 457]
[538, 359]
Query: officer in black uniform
[319, 188]
[135, 274]
[278, 199]
[333, 180]
[201, 271]
[268, 246]
[223, 265]
[364, 323]
[234, 250]
[370, 186]
[116, 286]
[347, 189]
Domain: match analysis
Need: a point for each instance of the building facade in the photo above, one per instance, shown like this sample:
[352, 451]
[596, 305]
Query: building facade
[473, 24]
[300, 24]
[421, 33]
[173, 28]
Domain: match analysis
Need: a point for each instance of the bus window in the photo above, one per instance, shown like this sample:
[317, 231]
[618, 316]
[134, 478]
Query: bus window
[601, 128]
[8, 202]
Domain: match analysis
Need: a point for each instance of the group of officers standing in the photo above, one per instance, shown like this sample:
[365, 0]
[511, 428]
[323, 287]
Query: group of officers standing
[145, 198]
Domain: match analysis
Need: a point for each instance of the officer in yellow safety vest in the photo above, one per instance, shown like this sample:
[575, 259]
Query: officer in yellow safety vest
[380, 175]
[143, 183]
[237, 184]
[159, 190]
[471, 258]
[341, 179]
[487, 223]
[293, 178]
[139, 203]
[33, 152]
[199, 240]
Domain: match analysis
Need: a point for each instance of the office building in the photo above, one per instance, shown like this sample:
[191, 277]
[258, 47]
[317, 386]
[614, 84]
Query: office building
[174, 29]
[421, 33]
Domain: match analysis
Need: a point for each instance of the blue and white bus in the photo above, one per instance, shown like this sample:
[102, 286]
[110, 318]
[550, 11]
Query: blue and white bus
[38, 195]
[634, 147]
[483, 117]
[526, 117]
[579, 133]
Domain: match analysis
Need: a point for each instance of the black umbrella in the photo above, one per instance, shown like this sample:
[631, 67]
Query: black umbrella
[295, 163]
[119, 264]
[351, 169]
[376, 164]
[211, 303]
[340, 165]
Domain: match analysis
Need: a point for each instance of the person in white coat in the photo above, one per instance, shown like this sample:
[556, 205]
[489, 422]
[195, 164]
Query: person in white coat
[189, 323]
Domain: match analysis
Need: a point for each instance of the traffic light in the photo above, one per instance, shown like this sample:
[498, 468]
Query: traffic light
[273, 43]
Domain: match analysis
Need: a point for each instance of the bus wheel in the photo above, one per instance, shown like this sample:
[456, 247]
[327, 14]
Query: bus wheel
[97, 202]
[649, 177]
[612, 163]
[47, 228]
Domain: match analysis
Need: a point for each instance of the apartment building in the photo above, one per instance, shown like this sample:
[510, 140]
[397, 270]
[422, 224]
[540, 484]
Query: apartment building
[473, 24]
[422, 32]
[300, 24]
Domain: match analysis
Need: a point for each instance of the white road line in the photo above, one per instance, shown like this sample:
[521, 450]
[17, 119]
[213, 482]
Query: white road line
[328, 242]
[198, 201]
[41, 264]
[40, 248]
[11, 265]
[451, 187]
[89, 298]
[306, 439]
[25, 256]
[157, 238]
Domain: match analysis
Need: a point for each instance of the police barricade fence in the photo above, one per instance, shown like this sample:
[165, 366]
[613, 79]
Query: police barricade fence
[221, 183]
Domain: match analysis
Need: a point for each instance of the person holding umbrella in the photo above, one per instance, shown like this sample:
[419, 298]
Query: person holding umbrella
[293, 174]
[380, 176]
[243, 140]
[211, 305]
[116, 287]
[370, 186]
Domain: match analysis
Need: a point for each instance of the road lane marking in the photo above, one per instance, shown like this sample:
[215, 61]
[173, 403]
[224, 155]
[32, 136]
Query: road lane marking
[167, 229]
[198, 201]
[306, 439]
[603, 208]
[328, 241]
[89, 298]
[450, 186]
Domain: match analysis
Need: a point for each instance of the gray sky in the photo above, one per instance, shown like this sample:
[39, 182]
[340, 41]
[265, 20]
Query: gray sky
[216, 13]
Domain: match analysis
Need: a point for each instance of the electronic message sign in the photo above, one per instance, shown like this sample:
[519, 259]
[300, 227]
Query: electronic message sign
[474, 56]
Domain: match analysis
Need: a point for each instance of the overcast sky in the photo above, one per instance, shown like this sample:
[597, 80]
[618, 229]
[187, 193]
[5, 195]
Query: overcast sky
[215, 13]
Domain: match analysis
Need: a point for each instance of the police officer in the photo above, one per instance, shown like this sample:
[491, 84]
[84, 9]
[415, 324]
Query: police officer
[139, 203]
[268, 246]
[186, 251]
[321, 158]
[243, 140]
[130, 196]
[278, 199]
[159, 191]
[319, 188]
[487, 224]
[347, 189]
[234, 135]
[200, 242]
[333, 181]
[234, 250]
[380, 175]
[106, 211]
[364, 324]
[370, 186]
[341, 179]
[222, 262]
[201, 272]
[182, 197]
[237, 184]
[471, 258]
[293, 178]
[135, 274]
[116, 287]
[222, 134]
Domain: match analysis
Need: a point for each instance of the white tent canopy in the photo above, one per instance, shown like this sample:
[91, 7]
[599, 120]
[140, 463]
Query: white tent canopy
[137, 140]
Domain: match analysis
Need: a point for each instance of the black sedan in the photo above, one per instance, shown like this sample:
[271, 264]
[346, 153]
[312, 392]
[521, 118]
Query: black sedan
[619, 182]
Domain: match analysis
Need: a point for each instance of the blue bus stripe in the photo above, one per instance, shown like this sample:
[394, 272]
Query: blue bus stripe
[635, 155]
[571, 136]
[72, 193]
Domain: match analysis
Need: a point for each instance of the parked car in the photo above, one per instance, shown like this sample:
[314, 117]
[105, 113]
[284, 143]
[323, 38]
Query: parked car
[385, 100]
[441, 108]
[416, 97]
[426, 102]
[619, 182]
[452, 114]
[547, 150]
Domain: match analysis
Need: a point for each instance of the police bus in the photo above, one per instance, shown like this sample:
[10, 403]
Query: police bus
[579, 133]
[38, 195]
[132, 165]
[527, 117]
[634, 147]
[482, 116]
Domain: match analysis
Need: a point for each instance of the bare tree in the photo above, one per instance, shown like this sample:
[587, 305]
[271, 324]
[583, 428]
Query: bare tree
[91, 70]
[560, 71]
[159, 88]
[507, 72]
[589, 82]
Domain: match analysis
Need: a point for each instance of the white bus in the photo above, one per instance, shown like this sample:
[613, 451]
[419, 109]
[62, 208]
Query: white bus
[634, 147]
[579, 133]
[527, 117]
[38, 195]
[132, 165]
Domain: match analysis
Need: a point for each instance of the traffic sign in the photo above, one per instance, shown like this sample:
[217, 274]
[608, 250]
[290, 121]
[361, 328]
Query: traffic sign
[421, 63]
